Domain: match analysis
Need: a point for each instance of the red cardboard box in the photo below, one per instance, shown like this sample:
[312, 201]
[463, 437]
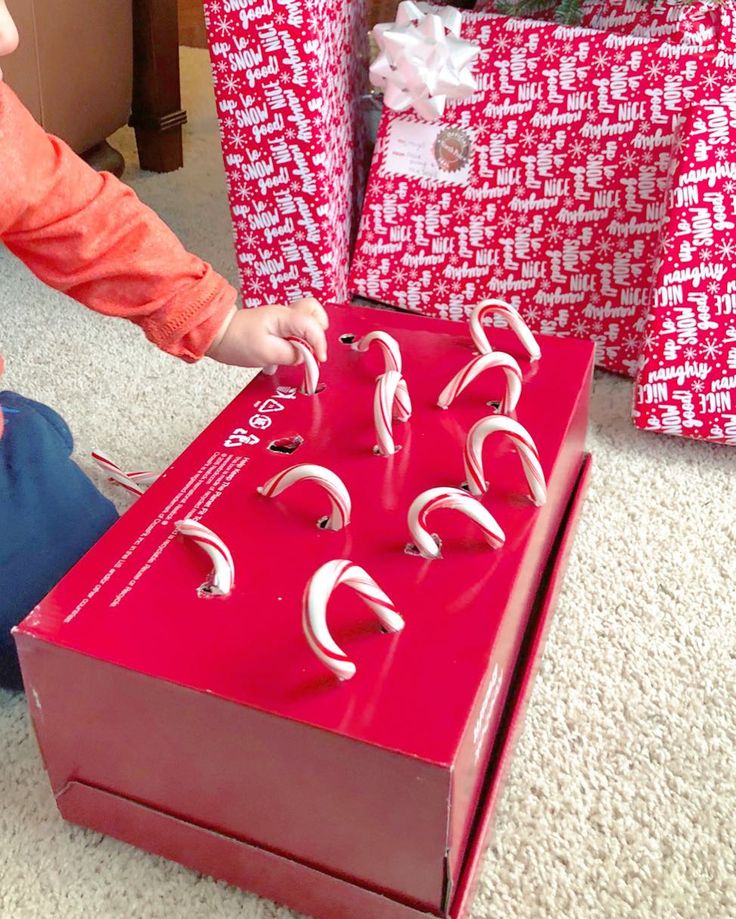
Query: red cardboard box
[207, 730]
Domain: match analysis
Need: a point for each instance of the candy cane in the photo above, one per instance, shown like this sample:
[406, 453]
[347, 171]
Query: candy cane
[477, 366]
[221, 581]
[516, 323]
[525, 447]
[402, 402]
[332, 483]
[391, 401]
[450, 499]
[314, 611]
[388, 344]
[130, 481]
[311, 367]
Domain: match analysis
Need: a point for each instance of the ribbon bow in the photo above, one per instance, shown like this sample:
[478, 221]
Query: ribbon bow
[423, 61]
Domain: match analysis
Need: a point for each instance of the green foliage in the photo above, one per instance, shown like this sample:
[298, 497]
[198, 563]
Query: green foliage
[524, 8]
[567, 12]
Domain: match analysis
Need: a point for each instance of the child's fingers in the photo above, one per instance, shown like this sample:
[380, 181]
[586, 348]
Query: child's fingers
[303, 325]
[312, 307]
[281, 354]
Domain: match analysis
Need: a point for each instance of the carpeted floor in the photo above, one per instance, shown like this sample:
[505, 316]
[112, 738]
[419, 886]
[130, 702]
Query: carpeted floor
[622, 797]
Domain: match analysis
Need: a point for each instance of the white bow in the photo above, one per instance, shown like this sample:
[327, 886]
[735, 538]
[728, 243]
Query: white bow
[423, 61]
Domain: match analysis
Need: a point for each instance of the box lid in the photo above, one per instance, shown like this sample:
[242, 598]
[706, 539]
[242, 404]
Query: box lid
[133, 599]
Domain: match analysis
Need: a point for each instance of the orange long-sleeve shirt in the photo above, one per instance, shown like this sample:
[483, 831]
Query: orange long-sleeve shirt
[88, 235]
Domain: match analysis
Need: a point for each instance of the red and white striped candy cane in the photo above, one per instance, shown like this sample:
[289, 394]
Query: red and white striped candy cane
[134, 482]
[388, 344]
[455, 499]
[500, 308]
[314, 611]
[391, 401]
[478, 365]
[311, 365]
[525, 447]
[221, 581]
[332, 484]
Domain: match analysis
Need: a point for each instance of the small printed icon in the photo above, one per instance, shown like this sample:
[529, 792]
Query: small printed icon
[269, 405]
[286, 392]
[260, 422]
[241, 438]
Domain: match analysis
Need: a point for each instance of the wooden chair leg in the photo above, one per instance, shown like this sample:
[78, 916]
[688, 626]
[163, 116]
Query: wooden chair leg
[157, 151]
[157, 115]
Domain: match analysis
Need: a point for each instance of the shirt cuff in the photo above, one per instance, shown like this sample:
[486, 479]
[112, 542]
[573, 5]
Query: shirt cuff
[189, 335]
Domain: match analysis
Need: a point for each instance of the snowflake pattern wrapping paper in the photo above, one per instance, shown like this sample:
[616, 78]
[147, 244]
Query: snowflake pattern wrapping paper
[557, 187]
[556, 196]
[695, 22]
[288, 78]
[687, 379]
[686, 383]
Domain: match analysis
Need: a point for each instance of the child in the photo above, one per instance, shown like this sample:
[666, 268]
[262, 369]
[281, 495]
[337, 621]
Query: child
[88, 235]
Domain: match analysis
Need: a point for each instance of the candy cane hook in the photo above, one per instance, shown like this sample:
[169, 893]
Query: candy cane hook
[391, 401]
[389, 347]
[311, 366]
[449, 499]
[479, 365]
[222, 578]
[133, 482]
[500, 308]
[332, 484]
[525, 447]
[314, 611]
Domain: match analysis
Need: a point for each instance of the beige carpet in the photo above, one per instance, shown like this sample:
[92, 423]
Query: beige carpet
[622, 798]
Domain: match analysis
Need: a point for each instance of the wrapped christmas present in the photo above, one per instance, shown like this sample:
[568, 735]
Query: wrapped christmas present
[546, 185]
[686, 383]
[288, 79]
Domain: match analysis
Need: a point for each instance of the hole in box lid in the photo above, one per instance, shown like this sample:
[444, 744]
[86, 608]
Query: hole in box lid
[413, 549]
[286, 445]
[347, 339]
[318, 389]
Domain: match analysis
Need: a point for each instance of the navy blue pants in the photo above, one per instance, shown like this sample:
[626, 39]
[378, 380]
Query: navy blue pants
[50, 514]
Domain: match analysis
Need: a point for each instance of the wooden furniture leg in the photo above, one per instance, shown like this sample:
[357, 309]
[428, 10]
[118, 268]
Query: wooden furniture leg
[157, 115]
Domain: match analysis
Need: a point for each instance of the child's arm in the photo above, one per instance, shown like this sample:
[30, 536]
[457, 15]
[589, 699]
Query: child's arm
[87, 235]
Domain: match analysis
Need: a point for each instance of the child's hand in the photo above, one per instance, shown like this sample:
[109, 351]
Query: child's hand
[256, 337]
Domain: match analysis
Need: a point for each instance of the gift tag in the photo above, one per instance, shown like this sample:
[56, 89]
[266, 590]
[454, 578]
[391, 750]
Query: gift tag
[429, 151]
